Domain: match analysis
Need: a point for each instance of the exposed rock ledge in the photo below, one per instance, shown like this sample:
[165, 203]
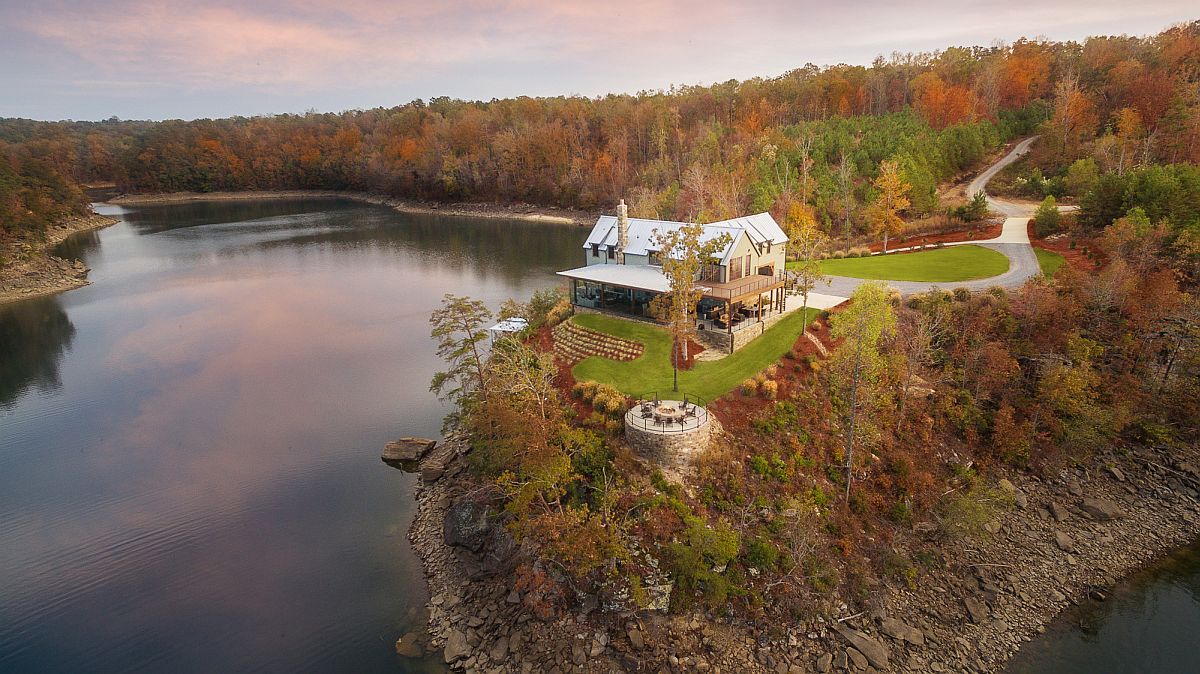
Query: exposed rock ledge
[28, 270]
[989, 596]
[462, 209]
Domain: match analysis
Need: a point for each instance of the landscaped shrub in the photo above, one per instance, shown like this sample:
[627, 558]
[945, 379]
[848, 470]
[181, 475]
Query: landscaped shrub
[962, 294]
[585, 390]
[1047, 220]
[750, 387]
[559, 312]
[769, 389]
[608, 404]
[837, 254]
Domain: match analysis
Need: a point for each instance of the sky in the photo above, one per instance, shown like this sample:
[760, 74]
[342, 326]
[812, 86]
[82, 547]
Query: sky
[187, 59]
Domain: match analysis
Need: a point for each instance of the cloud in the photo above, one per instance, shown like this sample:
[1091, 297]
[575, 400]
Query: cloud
[342, 53]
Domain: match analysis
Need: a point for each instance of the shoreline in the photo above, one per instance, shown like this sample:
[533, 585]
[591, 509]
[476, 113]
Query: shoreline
[971, 610]
[463, 209]
[40, 273]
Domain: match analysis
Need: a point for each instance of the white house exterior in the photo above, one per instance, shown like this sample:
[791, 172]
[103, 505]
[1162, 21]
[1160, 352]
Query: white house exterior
[741, 287]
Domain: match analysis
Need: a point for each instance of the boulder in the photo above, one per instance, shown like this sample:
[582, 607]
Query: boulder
[409, 646]
[658, 597]
[499, 552]
[499, 650]
[467, 525]
[872, 648]
[824, 663]
[636, 639]
[1059, 513]
[977, 609]
[1101, 509]
[407, 449]
[1063, 541]
[456, 647]
[901, 631]
[856, 658]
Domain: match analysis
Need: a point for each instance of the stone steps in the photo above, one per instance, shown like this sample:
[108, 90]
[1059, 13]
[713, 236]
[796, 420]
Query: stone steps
[573, 343]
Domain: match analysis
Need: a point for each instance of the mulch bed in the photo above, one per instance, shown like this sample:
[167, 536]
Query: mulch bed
[735, 410]
[981, 233]
[1075, 256]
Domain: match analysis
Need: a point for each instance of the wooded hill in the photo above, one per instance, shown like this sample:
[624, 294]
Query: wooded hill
[692, 152]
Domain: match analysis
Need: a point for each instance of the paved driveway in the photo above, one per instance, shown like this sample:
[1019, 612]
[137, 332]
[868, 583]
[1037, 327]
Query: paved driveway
[1013, 242]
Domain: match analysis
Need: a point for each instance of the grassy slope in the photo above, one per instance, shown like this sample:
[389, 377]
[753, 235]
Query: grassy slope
[652, 371]
[1049, 261]
[952, 263]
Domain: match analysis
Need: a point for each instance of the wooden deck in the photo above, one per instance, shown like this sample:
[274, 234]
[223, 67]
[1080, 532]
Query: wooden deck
[742, 288]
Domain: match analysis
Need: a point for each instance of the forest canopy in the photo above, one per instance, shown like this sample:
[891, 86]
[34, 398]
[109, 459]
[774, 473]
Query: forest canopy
[691, 152]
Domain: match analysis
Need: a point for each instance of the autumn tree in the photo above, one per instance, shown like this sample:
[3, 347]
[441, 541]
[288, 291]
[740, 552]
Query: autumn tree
[857, 366]
[1129, 134]
[806, 240]
[884, 213]
[683, 251]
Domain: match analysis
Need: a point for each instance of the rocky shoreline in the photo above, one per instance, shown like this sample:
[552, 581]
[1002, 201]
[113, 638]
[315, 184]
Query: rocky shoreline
[472, 210]
[1066, 540]
[29, 270]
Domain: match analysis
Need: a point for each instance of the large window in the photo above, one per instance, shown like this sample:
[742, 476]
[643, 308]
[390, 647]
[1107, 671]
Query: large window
[654, 257]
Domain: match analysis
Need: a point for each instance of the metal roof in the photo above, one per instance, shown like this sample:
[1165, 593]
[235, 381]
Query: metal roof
[642, 277]
[760, 228]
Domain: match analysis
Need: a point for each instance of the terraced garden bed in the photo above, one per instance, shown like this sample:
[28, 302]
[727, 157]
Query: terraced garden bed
[573, 343]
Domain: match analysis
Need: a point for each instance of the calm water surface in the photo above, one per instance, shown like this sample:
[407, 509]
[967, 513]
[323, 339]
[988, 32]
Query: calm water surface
[189, 471]
[1150, 625]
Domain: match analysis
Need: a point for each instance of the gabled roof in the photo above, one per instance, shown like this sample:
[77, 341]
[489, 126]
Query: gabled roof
[760, 228]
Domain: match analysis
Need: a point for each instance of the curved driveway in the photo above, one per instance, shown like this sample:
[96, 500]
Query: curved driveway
[1013, 242]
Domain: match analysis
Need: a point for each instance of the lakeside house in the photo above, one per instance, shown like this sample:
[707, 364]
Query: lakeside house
[742, 287]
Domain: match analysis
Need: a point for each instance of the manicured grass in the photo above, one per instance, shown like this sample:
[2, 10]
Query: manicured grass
[652, 370]
[941, 265]
[1049, 261]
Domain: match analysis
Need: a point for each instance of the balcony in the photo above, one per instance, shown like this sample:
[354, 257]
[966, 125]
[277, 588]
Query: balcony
[741, 288]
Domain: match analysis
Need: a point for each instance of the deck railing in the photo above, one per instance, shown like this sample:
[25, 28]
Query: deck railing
[694, 407]
[743, 286]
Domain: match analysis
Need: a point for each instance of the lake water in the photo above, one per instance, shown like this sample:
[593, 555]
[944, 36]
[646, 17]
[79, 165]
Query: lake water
[189, 447]
[1149, 625]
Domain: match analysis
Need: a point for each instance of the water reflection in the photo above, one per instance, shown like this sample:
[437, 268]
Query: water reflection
[202, 491]
[34, 335]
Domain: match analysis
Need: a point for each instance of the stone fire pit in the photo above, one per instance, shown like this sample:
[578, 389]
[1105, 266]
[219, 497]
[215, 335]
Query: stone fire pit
[668, 413]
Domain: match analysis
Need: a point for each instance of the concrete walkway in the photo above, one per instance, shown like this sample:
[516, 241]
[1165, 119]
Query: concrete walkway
[1013, 243]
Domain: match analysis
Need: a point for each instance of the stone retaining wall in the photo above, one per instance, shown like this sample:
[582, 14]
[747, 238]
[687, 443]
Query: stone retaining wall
[673, 451]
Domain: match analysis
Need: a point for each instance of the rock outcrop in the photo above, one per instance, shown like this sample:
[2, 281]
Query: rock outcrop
[406, 450]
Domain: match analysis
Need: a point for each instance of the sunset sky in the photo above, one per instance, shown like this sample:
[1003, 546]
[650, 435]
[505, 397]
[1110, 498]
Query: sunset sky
[156, 59]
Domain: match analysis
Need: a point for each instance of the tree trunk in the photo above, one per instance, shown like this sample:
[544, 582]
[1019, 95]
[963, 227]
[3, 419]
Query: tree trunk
[853, 418]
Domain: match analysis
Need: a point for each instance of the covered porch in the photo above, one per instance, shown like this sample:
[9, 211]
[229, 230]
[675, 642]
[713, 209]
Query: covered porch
[617, 288]
[741, 304]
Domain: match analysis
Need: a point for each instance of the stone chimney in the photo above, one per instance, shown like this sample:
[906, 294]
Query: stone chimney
[622, 231]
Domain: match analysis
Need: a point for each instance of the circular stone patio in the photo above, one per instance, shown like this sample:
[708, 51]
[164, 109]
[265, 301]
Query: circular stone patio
[669, 432]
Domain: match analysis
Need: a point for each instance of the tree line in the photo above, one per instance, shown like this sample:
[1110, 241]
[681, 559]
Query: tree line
[813, 135]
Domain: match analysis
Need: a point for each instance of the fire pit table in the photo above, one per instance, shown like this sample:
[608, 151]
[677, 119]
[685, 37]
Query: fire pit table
[669, 414]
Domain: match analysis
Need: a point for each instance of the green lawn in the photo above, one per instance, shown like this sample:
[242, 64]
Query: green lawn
[1049, 261]
[652, 370]
[940, 265]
